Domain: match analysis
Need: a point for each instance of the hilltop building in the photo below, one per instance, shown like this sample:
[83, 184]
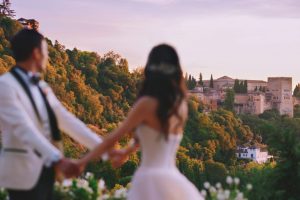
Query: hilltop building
[254, 153]
[29, 23]
[276, 93]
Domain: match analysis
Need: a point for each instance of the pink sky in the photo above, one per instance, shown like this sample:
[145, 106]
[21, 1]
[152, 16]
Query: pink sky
[246, 39]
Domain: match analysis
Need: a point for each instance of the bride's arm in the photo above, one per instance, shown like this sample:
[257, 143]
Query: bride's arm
[120, 156]
[136, 116]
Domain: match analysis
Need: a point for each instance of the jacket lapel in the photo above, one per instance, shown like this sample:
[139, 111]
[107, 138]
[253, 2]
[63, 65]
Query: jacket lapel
[25, 101]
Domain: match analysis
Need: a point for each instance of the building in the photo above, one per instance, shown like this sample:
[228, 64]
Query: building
[251, 103]
[221, 83]
[29, 23]
[276, 93]
[280, 89]
[254, 153]
[255, 85]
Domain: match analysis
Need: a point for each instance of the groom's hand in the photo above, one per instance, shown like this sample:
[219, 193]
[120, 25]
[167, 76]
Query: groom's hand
[68, 168]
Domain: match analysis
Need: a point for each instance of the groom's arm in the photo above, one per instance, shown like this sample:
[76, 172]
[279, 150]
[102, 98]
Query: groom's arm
[71, 125]
[13, 116]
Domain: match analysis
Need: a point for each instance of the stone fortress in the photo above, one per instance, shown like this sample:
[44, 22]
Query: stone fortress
[276, 93]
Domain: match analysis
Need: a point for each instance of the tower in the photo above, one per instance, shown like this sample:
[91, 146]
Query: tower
[281, 94]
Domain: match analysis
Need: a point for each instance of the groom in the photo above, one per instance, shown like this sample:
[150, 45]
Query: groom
[31, 118]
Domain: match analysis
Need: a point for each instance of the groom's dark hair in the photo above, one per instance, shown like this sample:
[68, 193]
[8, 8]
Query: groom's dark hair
[24, 42]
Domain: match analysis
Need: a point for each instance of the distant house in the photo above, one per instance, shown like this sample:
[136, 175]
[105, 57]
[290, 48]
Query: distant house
[254, 153]
[29, 23]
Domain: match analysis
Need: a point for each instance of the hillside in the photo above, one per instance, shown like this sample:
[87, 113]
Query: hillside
[100, 89]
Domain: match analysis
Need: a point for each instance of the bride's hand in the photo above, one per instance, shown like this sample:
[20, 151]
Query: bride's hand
[118, 157]
[81, 164]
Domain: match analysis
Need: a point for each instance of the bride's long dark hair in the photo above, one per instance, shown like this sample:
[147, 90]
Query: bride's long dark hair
[164, 81]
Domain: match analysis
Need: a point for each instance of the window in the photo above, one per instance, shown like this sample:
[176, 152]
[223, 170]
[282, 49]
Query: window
[251, 155]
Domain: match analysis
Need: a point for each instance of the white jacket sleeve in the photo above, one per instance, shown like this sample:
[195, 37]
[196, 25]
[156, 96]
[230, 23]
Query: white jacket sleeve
[14, 116]
[71, 125]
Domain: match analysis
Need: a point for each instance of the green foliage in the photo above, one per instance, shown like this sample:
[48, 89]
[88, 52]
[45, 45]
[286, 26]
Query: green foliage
[200, 82]
[3, 194]
[215, 172]
[297, 111]
[272, 114]
[190, 82]
[286, 141]
[296, 92]
[214, 135]
[211, 82]
[5, 10]
[229, 100]
[240, 87]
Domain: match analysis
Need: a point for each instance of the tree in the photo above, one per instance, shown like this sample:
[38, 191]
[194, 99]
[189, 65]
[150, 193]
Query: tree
[236, 86]
[200, 80]
[191, 82]
[211, 83]
[297, 111]
[245, 87]
[229, 100]
[296, 92]
[5, 9]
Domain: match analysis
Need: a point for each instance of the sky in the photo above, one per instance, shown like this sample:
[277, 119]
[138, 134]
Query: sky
[245, 39]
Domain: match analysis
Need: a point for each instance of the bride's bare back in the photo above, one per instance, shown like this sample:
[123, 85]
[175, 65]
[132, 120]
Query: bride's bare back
[176, 124]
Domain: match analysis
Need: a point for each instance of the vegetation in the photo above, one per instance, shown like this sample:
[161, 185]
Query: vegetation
[240, 87]
[190, 82]
[229, 100]
[5, 9]
[296, 92]
[200, 82]
[211, 82]
[100, 89]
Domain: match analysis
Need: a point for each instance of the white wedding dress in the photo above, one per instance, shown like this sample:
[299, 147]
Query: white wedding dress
[158, 177]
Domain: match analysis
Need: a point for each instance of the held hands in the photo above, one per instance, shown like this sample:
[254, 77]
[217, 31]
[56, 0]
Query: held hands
[67, 168]
[118, 157]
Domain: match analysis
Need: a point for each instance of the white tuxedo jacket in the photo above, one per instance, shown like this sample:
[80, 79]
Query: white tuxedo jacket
[22, 133]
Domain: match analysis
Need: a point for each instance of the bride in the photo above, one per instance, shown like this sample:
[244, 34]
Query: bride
[158, 118]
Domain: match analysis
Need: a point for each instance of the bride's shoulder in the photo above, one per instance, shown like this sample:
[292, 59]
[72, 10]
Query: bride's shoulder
[148, 101]
[146, 105]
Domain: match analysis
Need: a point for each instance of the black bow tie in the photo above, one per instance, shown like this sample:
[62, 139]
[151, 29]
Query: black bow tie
[35, 79]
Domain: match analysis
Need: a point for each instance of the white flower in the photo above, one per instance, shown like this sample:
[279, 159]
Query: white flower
[227, 194]
[203, 193]
[104, 197]
[212, 189]
[229, 180]
[120, 193]
[239, 196]
[249, 187]
[206, 185]
[221, 196]
[67, 183]
[218, 185]
[236, 180]
[101, 184]
[81, 183]
[88, 175]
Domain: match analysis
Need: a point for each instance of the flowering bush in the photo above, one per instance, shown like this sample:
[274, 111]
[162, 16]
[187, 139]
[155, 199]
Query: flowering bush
[88, 188]
[85, 188]
[3, 194]
[231, 191]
